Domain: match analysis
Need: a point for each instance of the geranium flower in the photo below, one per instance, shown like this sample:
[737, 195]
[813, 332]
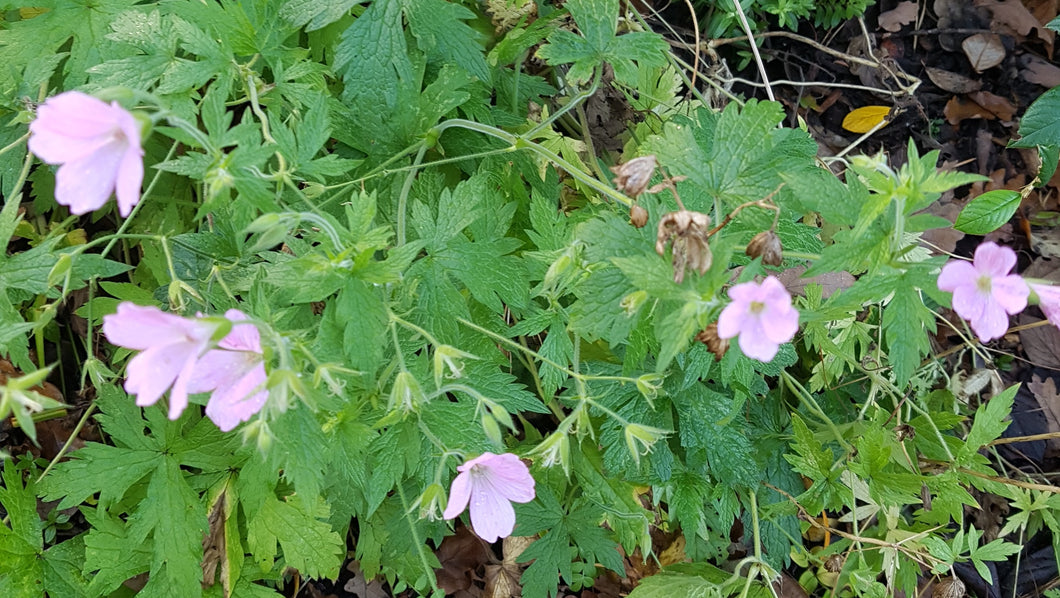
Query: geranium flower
[984, 293]
[235, 372]
[761, 315]
[170, 349]
[97, 148]
[1048, 301]
[491, 483]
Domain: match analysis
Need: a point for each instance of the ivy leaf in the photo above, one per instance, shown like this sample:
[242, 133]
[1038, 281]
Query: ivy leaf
[598, 21]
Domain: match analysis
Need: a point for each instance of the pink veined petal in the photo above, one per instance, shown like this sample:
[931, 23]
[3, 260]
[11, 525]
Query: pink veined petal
[150, 373]
[129, 179]
[511, 478]
[178, 395]
[733, 319]
[969, 302]
[86, 184]
[773, 291]
[217, 368]
[243, 336]
[54, 147]
[994, 260]
[142, 327]
[230, 405]
[492, 516]
[1011, 293]
[955, 274]
[77, 114]
[459, 495]
[745, 292]
[991, 324]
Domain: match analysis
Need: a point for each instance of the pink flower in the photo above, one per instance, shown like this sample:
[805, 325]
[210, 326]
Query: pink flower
[235, 372]
[491, 483]
[1048, 301]
[761, 315]
[97, 146]
[984, 293]
[170, 349]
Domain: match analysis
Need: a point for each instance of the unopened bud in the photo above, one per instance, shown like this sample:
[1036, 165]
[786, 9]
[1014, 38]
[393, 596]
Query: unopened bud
[715, 344]
[638, 216]
[406, 394]
[766, 245]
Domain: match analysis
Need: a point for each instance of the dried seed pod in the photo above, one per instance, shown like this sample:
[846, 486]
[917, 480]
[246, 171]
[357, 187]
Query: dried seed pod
[766, 245]
[638, 216]
[834, 563]
[715, 344]
[904, 432]
[948, 588]
[632, 178]
[689, 233]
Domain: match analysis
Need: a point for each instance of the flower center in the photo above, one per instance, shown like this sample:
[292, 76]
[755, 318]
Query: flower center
[757, 307]
[984, 284]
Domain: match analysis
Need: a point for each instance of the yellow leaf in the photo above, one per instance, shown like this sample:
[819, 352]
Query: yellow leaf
[865, 118]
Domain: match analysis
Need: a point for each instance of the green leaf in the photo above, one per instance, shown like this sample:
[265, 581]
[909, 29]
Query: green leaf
[21, 571]
[987, 212]
[309, 545]
[988, 424]
[719, 436]
[597, 21]
[316, 13]
[439, 28]
[906, 324]
[1040, 125]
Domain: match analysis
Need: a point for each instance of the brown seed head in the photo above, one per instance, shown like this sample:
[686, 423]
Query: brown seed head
[766, 245]
[948, 588]
[715, 344]
[632, 178]
[638, 216]
[689, 233]
[834, 563]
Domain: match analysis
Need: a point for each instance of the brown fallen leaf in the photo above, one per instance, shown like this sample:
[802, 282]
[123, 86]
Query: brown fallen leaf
[902, 14]
[953, 82]
[984, 51]
[1048, 398]
[995, 104]
[1014, 16]
[830, 281]
[360, 586]
[1039, 71]
[1041, 344]
[943, 238]
[460, 555]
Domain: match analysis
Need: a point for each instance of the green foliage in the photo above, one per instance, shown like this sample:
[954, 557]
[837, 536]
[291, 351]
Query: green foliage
[402, 198]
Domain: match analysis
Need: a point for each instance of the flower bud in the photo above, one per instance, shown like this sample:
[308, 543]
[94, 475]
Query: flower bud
[640, 439]
[715, 344]
[429, 504]
[492, 429]
[406, 394]
[632, 302]
[766, 245]
[638, 216]
[555, 450]
[448, 364]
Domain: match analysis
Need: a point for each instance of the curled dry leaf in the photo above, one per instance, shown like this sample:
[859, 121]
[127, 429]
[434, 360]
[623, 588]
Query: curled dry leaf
[952, 82]
[902, 14]
[766, 245]
[995, 104]
[984, 51]
[715, 344]
[1037, 70]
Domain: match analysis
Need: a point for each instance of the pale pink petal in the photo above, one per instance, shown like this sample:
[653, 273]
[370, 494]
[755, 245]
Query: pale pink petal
[1011, 293]
[492, 516]
[459, 495]
[238, 402]
[242, 337]
[745, 293]
[757, 346]
[511, 478]
[217, 368]
[142, 327]
[991, 324]
[178, 395]
[86, 184]
[780, 325]
[955, 274]
[993, 259]
[150, 373]
[129, 180]
[969, 302]
[1048, 301]
[733, 319]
